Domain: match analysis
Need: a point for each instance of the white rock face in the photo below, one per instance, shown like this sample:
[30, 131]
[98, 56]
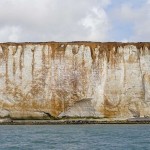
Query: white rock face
[4, 113]
[58, 79]
[83, 108]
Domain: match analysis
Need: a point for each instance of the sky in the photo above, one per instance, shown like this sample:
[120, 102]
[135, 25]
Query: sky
[74, 20]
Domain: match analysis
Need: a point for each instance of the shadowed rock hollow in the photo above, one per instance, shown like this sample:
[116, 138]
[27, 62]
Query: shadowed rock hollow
[77, 79]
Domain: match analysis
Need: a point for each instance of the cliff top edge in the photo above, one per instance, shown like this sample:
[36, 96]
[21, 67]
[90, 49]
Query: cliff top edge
[68, 42]
[86, 43]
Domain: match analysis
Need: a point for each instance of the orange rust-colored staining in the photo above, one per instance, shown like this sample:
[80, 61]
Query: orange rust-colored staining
[108, 112]
[56, 45]
[33, 62]
[49, 55]
[75, 49]
[141, 45]
[87, 43]
[109, 109]
[14, 91]
[61, 48]
[147, 78]
[14, 50]
[21, 61]
[29, 104]
[36, 89]
[59, 103]
[132, 59]
[14, 67]
[5, 52]
[92, 48]
[58, 49]
[56, 107]
[60, 52]
[112, 58]
[112, 112]
[1, 54]
[35, 98]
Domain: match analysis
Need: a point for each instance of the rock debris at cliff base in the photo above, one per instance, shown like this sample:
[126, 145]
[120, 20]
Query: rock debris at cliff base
[74, 79]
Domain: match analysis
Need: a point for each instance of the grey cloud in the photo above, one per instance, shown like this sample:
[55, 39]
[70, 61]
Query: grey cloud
[46, 20]
[72, 20]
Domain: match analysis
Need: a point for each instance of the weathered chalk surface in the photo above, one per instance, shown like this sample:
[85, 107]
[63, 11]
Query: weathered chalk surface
[74, 79]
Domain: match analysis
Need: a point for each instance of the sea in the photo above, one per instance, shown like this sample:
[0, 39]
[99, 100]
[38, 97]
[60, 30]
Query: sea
[75, 137]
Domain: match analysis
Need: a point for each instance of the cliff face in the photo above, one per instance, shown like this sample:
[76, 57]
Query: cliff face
[40, 80]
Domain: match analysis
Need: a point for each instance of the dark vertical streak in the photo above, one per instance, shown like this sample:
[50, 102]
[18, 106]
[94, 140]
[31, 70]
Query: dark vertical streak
[33, 63]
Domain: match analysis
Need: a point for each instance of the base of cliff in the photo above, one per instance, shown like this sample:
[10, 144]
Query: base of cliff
[75, 121]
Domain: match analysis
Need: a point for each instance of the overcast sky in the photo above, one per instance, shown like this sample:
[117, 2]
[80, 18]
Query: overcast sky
[74, 20]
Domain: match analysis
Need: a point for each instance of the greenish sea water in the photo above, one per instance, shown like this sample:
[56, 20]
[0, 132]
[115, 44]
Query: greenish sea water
[75, 137]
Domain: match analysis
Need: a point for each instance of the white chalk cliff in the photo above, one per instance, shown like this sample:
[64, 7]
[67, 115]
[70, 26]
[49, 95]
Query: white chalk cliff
[76, 79]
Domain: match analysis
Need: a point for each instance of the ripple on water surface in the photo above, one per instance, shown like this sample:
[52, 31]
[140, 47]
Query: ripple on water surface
[75, 137]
